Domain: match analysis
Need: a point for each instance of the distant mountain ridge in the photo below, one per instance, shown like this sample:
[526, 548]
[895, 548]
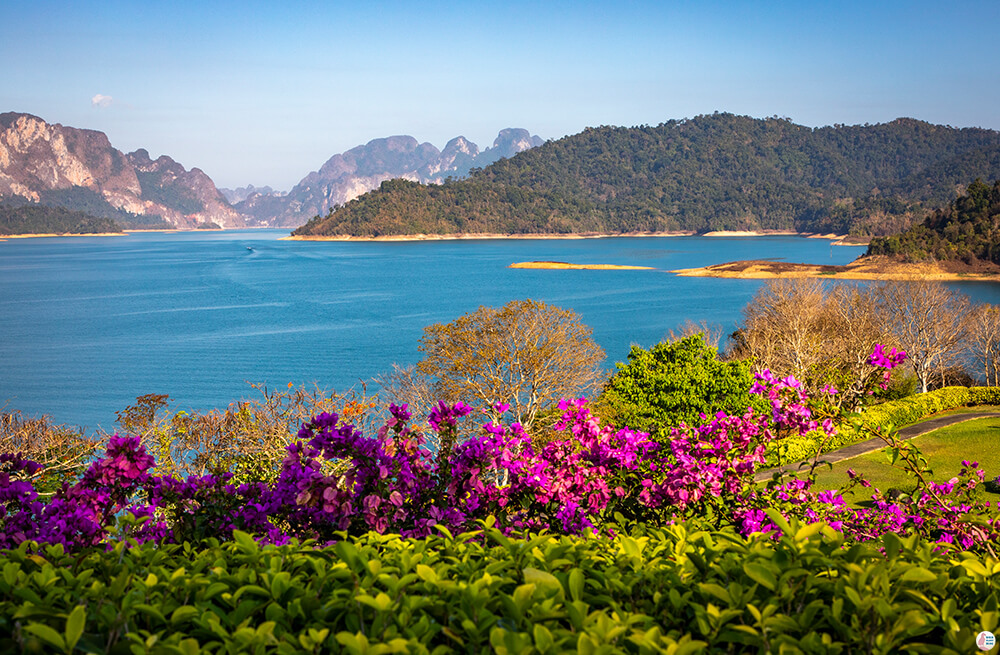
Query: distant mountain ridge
[54, 165]
[711, 172]
[347, 175]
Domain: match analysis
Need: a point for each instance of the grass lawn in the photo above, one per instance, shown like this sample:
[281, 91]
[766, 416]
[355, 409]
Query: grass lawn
[960, 410]
[976, 441]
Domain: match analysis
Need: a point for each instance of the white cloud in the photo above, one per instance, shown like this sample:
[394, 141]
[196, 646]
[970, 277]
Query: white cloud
[101, 100]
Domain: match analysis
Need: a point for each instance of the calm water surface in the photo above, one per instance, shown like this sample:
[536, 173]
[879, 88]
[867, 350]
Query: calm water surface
[89, 323]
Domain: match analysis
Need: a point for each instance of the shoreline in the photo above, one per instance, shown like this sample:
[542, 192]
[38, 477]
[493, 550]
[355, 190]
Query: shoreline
[835, 238]
[47, 235]
[872, 268]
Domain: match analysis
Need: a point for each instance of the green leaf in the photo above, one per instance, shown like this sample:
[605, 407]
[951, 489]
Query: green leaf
[892, 544]
[245, 542]
[426, 573]
[183, 613]
[576, 584]
[761, 574]
[918, 574]
[540, 578]
[74, 626]
[46, 634]
[543, 638]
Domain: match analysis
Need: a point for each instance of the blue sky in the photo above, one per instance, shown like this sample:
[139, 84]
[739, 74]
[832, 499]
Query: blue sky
[262, 93]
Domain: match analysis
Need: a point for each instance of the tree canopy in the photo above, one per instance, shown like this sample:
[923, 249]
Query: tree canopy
[674, 383]
[526, 354]
[967, 231]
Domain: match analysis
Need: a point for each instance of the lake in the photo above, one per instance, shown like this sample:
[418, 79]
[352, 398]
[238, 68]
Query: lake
[89, 323]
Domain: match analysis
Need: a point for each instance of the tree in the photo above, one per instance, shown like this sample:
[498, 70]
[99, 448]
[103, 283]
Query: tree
[783, 329]
[527, 354]
[929, 321]
[821, 336]
[673, 383]
[984, 342]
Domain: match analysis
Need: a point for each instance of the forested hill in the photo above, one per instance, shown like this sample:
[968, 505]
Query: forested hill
[41, 219]
[965, 234]
[713, 172]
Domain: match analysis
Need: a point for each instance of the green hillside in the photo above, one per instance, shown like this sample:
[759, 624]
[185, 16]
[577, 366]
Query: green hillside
[966, 232]
[42, 219]
[713, 172]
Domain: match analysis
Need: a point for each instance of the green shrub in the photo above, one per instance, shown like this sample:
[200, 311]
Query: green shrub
[669, 590]
[673, 383]
[984, 396]
[902, 412]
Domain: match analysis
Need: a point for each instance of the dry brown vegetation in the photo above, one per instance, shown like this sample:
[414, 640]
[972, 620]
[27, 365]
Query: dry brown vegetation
[823, 334]
[526, 353]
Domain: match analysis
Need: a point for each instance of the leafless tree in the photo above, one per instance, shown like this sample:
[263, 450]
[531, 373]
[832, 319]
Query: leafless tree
[61, 450]
[822, 336]
[526, 353]
[710, 333]
[783, 326]
[248, 436]
[930, 321]
[984, 341]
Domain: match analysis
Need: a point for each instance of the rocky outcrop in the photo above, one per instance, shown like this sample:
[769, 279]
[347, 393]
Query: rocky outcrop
[348, 175]
[240, 194]
[53, 164]
[184, 195]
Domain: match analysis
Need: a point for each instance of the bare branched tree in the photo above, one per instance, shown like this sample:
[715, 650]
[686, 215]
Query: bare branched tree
[984, 342]
[526, 353]
[61, 450]
[783, 326]
[930, 321]
[821, 336]
[711, 334]
[248, 436]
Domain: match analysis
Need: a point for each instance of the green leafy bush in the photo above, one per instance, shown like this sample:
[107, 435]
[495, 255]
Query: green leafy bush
[673, 383]
[984, 396]
[670, 590]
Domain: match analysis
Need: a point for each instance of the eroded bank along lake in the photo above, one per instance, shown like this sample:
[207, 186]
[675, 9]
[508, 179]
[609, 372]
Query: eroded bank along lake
[88, 324]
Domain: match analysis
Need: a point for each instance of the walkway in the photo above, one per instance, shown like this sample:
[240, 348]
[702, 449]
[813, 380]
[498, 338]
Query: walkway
[872, 445]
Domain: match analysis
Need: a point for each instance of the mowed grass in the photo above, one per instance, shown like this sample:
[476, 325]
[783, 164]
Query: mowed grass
[977, 441]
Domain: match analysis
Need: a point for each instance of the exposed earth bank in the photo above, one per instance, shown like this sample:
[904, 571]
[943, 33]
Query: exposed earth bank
[864, 268]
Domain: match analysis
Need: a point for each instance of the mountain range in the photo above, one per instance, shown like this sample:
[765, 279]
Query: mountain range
[52, 165]
[348, 175]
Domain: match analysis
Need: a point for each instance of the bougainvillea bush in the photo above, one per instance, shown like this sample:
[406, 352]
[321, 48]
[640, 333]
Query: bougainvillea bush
[335, 480]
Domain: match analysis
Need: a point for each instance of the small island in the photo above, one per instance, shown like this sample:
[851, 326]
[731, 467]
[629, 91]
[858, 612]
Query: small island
[582, 267]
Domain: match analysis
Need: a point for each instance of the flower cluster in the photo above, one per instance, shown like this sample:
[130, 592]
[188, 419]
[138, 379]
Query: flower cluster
[334, 479]
[887, 359]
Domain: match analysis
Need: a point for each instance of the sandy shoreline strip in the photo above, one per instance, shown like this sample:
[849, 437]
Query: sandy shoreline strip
[836, 238]
[581, 267]
[67, 234]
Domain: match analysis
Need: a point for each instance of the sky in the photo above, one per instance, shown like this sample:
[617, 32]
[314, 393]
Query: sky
[263, 93]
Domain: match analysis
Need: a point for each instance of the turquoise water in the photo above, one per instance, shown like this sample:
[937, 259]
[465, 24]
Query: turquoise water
[89, 323]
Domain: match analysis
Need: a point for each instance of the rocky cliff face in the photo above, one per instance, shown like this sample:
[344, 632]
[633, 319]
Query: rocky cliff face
[53, 164]
[348, 175]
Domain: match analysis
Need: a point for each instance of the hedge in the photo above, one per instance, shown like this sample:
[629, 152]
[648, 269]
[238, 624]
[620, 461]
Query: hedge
[895, 413]
[672, 590]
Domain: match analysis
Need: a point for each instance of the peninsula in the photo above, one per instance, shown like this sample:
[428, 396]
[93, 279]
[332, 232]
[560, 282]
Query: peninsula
[870, 267]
